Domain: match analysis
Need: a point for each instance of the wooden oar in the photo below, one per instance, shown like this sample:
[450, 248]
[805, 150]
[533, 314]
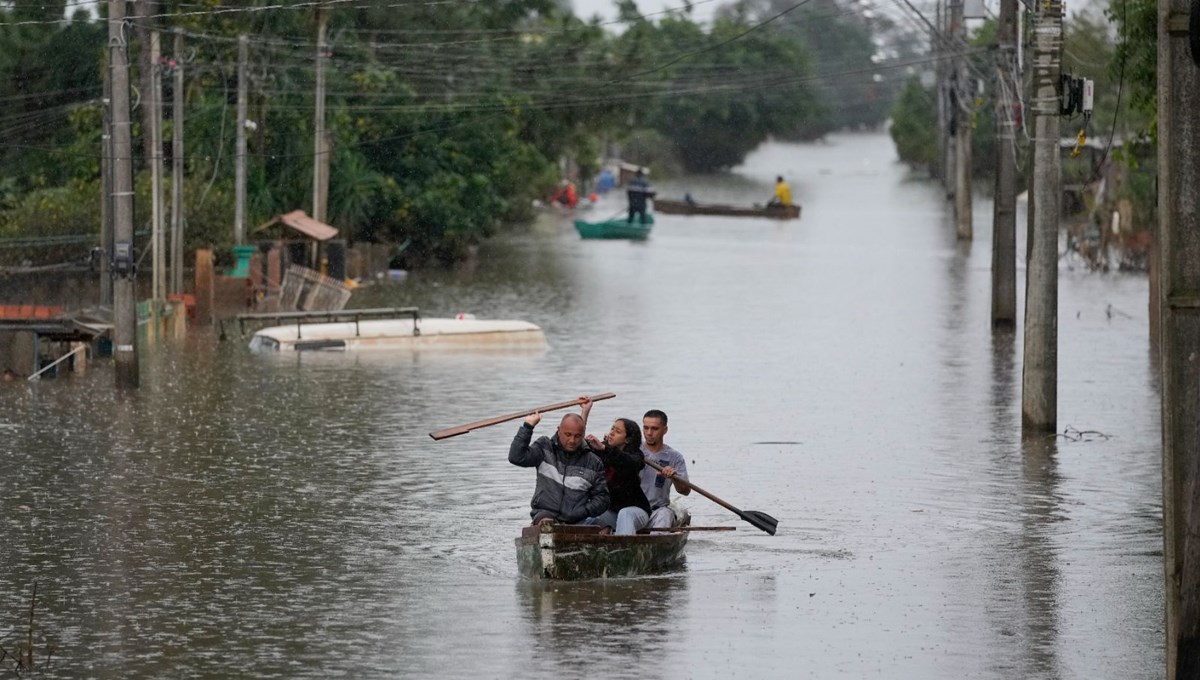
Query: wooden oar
[463, 429]
[760, 520]
[677, 529]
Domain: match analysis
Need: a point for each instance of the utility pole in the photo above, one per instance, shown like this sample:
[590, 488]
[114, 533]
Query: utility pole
[239, 196]
[320, 143]
[123, 256]
[939, 53]
[1179, 295]
[177, 169]
[156, 166]
[946, 83]
[106, 189]
[1004, 216]
[961, 99]
[1039, 380]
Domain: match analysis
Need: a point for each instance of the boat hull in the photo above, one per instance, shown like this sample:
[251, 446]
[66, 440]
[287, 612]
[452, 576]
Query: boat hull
[782, 212]
[615, 229]
[574, 553]
[394, 334]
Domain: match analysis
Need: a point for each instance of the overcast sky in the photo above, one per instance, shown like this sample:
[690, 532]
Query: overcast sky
[705, 9]
[607, 9]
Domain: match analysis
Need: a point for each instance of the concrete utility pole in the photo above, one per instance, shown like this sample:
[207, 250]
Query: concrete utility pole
[1179, 286]
[939, 53]
[320, 142]
[177, 170]
[156, 167]
[123, 256]
[963, 95]
[1004, 216]
[239, 196]
[945, 91]
[1039, 384]
[106, 189]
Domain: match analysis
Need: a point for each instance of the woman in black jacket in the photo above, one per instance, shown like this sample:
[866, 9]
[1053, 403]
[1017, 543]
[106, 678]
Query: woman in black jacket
[621, 453]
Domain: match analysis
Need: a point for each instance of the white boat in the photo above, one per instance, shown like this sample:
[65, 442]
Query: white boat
[399, 334]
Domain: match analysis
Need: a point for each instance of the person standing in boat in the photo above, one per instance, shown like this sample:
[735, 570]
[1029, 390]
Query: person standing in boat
[570, 478]
[783, 193]
[621, 453]
[674, 468]
[638, 192]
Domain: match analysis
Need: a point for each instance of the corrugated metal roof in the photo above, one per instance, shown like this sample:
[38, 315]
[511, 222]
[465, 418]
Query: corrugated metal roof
[301, 222]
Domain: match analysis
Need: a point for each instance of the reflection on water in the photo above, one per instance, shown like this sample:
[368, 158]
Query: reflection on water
[624, 623]
[290, 517]
[1038, 558]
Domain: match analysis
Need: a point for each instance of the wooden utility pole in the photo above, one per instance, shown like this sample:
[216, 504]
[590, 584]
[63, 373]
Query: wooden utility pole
[177, 169]
[239, 196]
[320, 143]
[1039, 384]
[123, 256]
[1179, 316]
[962, 96]
[106, 188]
[1004, 215]
[156, 167]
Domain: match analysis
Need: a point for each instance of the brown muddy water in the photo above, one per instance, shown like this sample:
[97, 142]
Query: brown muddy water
[258, 516]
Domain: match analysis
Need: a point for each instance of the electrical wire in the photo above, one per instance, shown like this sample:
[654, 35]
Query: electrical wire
[1120, 86]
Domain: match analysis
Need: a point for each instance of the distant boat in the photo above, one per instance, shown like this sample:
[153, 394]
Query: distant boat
[572, 552]
[617, 227]
[779, 212]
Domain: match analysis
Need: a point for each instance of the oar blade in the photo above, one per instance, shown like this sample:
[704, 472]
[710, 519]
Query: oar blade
[760, 520]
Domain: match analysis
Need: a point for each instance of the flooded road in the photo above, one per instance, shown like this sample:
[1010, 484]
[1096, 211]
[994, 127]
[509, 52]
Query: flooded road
[289, 516]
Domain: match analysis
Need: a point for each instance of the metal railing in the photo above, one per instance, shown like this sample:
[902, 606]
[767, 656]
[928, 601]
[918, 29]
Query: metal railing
[47, 367]
[354, 315]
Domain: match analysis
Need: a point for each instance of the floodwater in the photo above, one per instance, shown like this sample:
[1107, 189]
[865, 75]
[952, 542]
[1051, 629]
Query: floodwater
[288, 516]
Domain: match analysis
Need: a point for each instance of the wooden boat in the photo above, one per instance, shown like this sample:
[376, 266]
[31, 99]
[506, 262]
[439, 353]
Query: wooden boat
[414, 333]
[779, 212]
[617, 227]
[572, 552]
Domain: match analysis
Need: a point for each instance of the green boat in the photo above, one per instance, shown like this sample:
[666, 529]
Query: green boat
[617, 227]
[572, 552]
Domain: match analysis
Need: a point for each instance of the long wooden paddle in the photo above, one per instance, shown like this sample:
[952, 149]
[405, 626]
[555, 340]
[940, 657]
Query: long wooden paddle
[760, 520]
[463, 429]
[678, 529]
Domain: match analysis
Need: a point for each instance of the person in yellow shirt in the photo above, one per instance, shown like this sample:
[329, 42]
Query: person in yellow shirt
[783, 193]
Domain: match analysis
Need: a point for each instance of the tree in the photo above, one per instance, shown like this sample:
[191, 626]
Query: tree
[733, 89]
[914, 126]
[846, 42]
[1135, 61]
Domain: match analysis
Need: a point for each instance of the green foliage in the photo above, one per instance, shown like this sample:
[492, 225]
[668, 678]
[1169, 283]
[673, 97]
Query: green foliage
[914, 125]
[1138, 185]
[52, 211]
[1090, 52]
[444, 121]
[852, 53]
[46, 71]
[717, 122]
[1135, 60]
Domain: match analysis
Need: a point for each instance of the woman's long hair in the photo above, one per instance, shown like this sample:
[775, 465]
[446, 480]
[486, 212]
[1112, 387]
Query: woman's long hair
[633, 436]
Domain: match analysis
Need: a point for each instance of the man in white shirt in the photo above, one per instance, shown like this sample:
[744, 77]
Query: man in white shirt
[674, 468]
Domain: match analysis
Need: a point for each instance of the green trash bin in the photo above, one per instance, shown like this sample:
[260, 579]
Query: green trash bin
[241, 268]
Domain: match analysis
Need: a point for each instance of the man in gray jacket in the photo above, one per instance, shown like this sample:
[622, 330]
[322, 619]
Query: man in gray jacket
[570, 481]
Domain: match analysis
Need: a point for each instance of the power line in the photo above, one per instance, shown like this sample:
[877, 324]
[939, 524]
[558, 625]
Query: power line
[1120, 84]
[549, 105]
